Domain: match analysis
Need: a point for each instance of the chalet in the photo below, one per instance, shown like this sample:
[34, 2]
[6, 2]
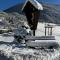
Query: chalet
[31, 9]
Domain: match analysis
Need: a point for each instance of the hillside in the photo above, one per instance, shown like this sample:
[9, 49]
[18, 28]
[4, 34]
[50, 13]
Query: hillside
[51, 12]
[16, 8]
[11, 20]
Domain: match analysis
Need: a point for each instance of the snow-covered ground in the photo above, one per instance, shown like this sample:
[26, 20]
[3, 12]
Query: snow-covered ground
[55, 31]
[15, 52]
[6, 39]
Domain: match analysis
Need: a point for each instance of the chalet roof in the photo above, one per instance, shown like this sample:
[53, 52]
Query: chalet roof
[35, 3]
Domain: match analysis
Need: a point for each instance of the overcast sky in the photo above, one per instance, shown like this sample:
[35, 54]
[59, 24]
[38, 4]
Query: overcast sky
[4, 4]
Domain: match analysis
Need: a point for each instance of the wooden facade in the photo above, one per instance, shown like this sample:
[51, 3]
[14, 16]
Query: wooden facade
[32, 15]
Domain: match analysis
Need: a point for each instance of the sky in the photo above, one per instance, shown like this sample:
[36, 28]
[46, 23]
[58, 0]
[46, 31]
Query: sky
[5, 4]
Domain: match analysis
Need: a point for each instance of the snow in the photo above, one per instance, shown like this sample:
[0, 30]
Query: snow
[35, 3]
[7, 39]
[15, 52]
[56, 31]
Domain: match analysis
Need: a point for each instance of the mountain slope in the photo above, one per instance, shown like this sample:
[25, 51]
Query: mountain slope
[16, 8]
[51, 12]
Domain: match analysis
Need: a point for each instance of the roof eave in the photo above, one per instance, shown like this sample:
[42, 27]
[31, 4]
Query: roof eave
[39, 7]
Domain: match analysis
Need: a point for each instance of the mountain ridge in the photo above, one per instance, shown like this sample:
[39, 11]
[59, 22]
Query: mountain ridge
[51, 12]
[14, 8]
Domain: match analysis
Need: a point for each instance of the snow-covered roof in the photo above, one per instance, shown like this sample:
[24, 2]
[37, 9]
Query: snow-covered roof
[35, 3]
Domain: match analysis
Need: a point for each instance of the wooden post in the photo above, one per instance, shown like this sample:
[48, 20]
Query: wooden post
[33, 32]
[48, 31]
[45, 31]
[51, 31]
